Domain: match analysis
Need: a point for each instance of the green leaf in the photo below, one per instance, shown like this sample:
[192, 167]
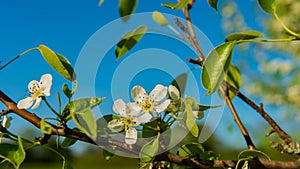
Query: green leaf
[129, 40]
[58, 62]
[192, 150]
[159, 18]
[68, 142]
[234, 78]
[253, 154]
[4, 164]
[19, 155]
[150, 129]
[180, 83]
[68, 92]
[180, 5]
[251, 34]
[190, 121]
[214, 4]
[203, 107]
[107, 154]
[45, 127]
[81, 112]
[86, 122]
[149, 150]
[126, 8]
[215, 65]
[268, 6]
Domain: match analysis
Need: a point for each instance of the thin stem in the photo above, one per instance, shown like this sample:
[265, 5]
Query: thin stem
[15, 58]
[289, 31]
[268, 40]
[51, 108]
[238, 120]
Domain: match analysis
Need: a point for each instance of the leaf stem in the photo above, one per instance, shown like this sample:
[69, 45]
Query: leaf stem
[15, 58]
[50, 107]
[289, 31]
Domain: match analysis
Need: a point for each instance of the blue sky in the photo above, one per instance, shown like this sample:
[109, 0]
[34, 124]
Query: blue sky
[65, 26]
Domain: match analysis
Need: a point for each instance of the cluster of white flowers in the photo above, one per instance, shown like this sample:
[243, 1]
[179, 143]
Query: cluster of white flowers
[140, 111]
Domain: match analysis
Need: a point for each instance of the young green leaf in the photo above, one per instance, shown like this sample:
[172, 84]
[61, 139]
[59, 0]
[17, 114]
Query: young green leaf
[86, 122]
[234, 78]
[81, 112]
[149, 150]
[46, 127]
[268, 6]
[68, 92]
[191, 150]
[7, 153]
[126, 8]
[19, 155]
[159, 18]
[214, 4]
[68, 142]
[190, 120]
[203, 107]
[251, 34]
[216, 64]
[180, 5]
[57, 62]
[129, 40]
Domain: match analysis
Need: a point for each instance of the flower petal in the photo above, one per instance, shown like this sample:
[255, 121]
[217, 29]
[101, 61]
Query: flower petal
[120, 107]
[131, 136]
[25, 103]
[138, 94]
[162, 107]
[37, 103]
[158, 93]
[46, 82]
[174, 92]
[143, 118]
[133, 109]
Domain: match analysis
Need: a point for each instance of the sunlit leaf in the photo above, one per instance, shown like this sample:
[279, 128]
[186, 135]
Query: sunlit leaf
[234, 78]
[180, 5]
[68, 92]
[81, 113]
[45, 127]
[216, 65]
[251, 34]
[129, 40]
[19, 155]
[268, 6]
[159, 18]
[149, 150]
[58, 62]
[126, 8]
[190, 120]
[214, 4]
[13, 154]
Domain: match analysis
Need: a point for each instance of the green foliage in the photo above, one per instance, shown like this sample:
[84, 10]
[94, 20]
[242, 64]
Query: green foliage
[46, 127]
[214, 4]
[216, 65]
[268, 6]
[68, 92]
[234, 78]
[149, 150]
[180, 82]
[14, 154]
[81, 113]
[58, 62]
[68, 142]
[180, 5]
[196, 150]
[251, 34]
[189, 105]
[129, 40]
[126, 8]
[159, 18]
[253, 154]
